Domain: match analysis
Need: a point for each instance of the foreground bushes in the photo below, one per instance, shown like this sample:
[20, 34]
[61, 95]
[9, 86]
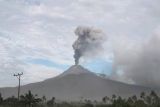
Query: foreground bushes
[30, 100]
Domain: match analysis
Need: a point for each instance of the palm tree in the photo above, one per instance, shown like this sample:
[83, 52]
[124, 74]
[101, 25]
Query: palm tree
[51, 102]
[44, 100]
[143, 94]
[154, 98]
[105, 99]
[29, 99]
[113, 98]
[134, 98]
[130, 101]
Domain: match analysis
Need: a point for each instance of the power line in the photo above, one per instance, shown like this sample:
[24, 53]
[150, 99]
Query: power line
[19, 79]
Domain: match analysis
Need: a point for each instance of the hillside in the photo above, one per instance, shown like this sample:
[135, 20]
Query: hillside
[77, 83]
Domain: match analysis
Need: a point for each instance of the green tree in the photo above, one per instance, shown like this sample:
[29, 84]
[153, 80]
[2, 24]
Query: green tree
[134, 98]
[130, 101]
[143, 95]
[11, 101]
[29, 99]
[113, 98]
[51, 102]
[1, 99]
[44, 100]
[155, 100]
[105, 99]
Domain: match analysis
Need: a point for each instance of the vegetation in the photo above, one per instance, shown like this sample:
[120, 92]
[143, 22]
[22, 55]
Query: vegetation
[30, 100]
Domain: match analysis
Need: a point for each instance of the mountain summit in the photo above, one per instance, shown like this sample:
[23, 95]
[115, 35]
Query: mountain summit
[76, 70]
[77, 83]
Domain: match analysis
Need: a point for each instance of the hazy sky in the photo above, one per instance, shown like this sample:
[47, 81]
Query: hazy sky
[36, 38]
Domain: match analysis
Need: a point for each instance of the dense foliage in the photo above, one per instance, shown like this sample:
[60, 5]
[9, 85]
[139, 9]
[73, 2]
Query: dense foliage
[30, 100]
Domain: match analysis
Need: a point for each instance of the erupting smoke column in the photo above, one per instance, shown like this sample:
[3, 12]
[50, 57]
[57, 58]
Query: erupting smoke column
[89, 42]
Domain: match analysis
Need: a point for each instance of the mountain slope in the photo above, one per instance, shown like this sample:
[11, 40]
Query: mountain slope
[76, 83]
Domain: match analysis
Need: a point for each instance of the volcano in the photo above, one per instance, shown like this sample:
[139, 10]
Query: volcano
[77, 83]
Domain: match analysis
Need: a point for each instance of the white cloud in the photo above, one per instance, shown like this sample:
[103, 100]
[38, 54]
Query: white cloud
[36, 73]
[44, 28]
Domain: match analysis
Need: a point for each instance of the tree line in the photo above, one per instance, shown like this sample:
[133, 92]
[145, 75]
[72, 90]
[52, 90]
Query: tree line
[32, 100]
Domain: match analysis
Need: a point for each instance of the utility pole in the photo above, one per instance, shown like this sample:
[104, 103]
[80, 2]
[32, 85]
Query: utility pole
[19, 79]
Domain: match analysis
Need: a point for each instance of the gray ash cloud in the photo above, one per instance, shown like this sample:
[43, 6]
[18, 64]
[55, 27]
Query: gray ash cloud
[89, 42]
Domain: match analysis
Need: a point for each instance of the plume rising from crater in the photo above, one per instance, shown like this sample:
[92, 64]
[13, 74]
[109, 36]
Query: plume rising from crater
[89, 42]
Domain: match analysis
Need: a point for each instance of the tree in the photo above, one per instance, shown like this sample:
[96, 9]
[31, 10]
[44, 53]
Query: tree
[130, 101]
[134, 98]
[44, 100]
[140, 103]
[119, 102]
[11, 101]
[105, 99]
[1, 99]
[113, 98]
[142, 95]
[51, 102]
[29, 99]
[154, 99]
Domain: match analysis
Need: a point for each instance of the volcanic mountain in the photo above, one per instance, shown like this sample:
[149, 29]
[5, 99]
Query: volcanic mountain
[77, 83]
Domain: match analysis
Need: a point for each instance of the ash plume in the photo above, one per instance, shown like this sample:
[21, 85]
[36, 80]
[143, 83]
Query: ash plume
[139, 63]
[89, 42]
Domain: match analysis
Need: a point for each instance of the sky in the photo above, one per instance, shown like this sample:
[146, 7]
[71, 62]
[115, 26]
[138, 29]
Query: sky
[36, 38]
